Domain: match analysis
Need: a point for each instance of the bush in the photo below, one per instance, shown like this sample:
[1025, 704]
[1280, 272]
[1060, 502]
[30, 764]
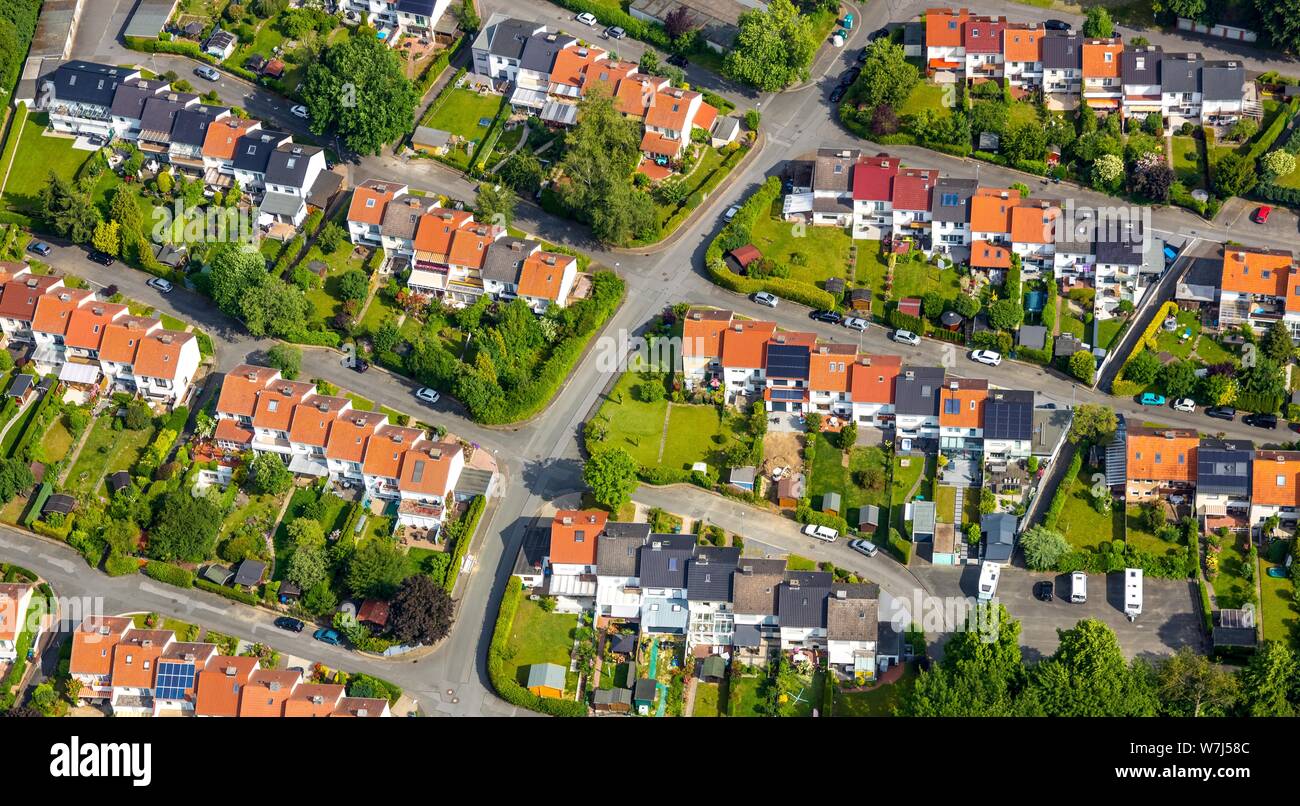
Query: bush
[230, 593]
[902, 548]
[1063, 489]
[120, 565]
[169, 574]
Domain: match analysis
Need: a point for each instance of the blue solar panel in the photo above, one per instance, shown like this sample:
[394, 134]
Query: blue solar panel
[787, 394]
[173, 680]
[787, 361]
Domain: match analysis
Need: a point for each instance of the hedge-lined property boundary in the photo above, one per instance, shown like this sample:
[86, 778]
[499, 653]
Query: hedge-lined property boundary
[506, 686]
[463, 536]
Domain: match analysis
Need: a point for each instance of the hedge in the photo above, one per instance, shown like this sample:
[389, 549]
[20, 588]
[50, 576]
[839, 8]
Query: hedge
[1063, 489]
[506, 686]
[464, 535]
[791, 290]
[614, 16]
[1166, 310]
[169, 574]
[177, 47]
[806, 514]
[118, 565]
[901, 547]
[229, 593]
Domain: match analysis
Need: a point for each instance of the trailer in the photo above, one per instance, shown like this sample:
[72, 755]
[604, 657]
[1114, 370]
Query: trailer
[1132, 593]
[988, 585]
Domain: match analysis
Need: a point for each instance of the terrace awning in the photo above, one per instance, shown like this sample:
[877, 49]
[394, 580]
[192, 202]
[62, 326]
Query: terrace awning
[533, 99]
[79, 373]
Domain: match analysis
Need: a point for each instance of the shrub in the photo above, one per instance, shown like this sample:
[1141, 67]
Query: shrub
[169, 574]
[506, 686]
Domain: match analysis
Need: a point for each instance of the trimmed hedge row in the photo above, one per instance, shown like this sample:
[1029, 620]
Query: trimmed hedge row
[1063, 489]
[651, 32]
[463, 537]
[506, 686]
[229, 593]
[176, 47]
[1166, 310]
[169, 574]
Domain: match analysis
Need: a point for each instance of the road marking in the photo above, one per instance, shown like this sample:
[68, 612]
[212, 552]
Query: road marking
[18, 547]
[64, 565]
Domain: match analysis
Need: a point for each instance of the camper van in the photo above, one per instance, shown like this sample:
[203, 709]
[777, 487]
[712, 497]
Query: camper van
[1132, 593]
[1078, 587]
[989, 574]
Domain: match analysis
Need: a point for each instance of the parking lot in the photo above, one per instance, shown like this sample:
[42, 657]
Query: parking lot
[1170, 612]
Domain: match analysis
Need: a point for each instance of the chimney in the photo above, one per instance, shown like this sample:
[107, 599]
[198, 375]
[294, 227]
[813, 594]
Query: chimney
[317, 699]
[841, 594]
[230, 671]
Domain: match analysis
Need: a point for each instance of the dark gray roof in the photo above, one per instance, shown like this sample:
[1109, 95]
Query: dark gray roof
[916, 390]
[833, 169]
[422, 7]
[913, 33]
[1061, 52]
[510, 37]
[746, 635]
[159, 114]
[754, 585]
[641, 531]
[1033, 337]
[149, 18]
[220, 40]
[1223, 466]
[253, 150]
[119, 480]
[852, 618]
[539, 51]
[60, 503]
[708, 577]
[803, 605]
[952, 200]
[810, 578]
[505, 257]
[402, 217]
[288, 164]
[537, 542]
[1076, 234]
[190, 126]
[616, 555]
[611, 696]
[88, 82]
[1141, 65]
[644, 690]
[21, 385]
[663, 563]
[1222, 81]
[1120, 243]
[1180, 72]
[129, 100]
[250, 572]
[1009, 414]
[999, 532]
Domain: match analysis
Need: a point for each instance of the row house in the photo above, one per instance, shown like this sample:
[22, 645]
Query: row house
[961, 416]
[916, 402]
[143, 672]
[79, 97]
[1022, 55]
[1140, 72]
[982, 41]
[1275, 486]
[395, 18]
[912, 200]
[945, 44]
[366, 210]
[15, 598]
[1062, 71]
[1257, 287]
[1223, 481]
[1008, 425]
[1160, 462]
[1125, 265]
[292, 171]
[829, 201]
[1103, 89]
[873, 196]
[950, 232]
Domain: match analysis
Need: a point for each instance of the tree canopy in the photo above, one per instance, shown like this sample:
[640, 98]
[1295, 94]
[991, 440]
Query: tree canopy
[421, 612]
[183, 528]
[611, 475]
[773, 48]
[358, 88]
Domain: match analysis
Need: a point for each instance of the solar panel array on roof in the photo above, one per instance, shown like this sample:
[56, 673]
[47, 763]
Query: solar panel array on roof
[1009, 416]
[173, 680]
[787, 361]
[787, 394]
[1223, 467]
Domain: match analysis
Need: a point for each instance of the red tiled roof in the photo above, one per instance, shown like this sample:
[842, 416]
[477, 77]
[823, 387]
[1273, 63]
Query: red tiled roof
[913, 187]
[574, 535]
[873, 178]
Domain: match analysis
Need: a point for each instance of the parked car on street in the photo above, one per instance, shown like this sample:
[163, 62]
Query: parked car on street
[764, 298]
[856, 323]
[1151, 399]
[830, 317]
[586, 18]
[823, 533]
[206, 72]
[1184, 404]
[906, 337]
[299, 111]
[102, 258]
[1043, 591]
[164, 286]
[837, 94]
[1261, 420]
[360, 365]
[864, 547]
[1056, 25]
[677, 60]
[1221, 412]
[731, 212]
[615, 32]
[289, 623]
[988, 357]
[39, 248]
[327, 636]
[1261, 214]
[428, 395]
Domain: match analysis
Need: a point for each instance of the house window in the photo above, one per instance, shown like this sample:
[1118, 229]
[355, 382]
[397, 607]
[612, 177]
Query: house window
[1281, 481]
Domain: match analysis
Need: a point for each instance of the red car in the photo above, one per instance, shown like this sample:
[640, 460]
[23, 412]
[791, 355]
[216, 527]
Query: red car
[1261, 214]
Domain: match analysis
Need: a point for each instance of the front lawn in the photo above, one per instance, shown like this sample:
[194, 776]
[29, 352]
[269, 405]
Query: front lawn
[540, 637]
[688, 433]
[914, 277]
[466, 114]
[879, 701]
[1108, 331]
[1187, 161]
[829, 475]
[925, 95]
[37, 156]
[813, 254]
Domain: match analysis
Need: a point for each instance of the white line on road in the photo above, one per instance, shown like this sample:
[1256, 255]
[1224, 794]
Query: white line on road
[66, 566]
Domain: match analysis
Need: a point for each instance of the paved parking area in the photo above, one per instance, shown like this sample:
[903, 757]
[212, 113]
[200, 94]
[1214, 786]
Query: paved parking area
[1170, 616]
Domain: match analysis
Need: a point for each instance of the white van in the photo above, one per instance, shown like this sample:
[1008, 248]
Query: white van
[1078, 587]
[1132, 593]
[825, 533]
[989, 575]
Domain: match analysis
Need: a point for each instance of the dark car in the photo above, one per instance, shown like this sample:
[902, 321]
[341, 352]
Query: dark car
[830, 317]
[39, 247]
[1221, 412]
[102, 258]
[1261, 420]
[360, 365]
[677, 60]
[877, 34]
[838, 93]
[109, 291]
[1043, 591]
[289, 623]
[1056, 25]
[326, 636]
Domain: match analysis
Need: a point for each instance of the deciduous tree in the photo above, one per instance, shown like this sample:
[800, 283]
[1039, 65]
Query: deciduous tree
[358, 88]
[773, 48]
[421, 612]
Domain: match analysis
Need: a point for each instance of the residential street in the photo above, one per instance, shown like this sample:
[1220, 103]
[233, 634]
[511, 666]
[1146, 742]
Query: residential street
[541, 459]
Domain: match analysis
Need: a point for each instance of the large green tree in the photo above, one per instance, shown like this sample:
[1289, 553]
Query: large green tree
[358, 88]
[376, 569]
[611, 475]
[183, 528]
[773, 48]
[1098, 24]
[267, 475]
[1280, 20]
[421, 612]
[1088, 676]
[1268, 683]
[981, 673]
[887, 76]
[1189, 685]
[1043, 548]
[274, 308]
[233, 270]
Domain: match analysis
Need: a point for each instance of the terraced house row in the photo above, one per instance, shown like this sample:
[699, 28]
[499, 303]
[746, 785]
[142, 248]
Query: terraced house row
[87, 341]
[1228, 481]
[551, 71]
[202, 140]
[326, 436]
[1071, 70]
[711, 596]
[143, 672]
[453, 257]
[878, 198]
[754, 361]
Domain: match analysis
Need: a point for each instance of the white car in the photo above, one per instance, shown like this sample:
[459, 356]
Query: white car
[428, 395]
[299, 111]
[987, 357]
[731, 212]
[586, 18]
[764, 298]
[906, 337]
[159, 283]
[855, 323]
[824, 533]
[864, 547]
[1184, 404]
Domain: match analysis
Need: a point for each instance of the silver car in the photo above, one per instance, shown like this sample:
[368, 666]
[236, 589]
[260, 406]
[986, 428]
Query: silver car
[906, 337]
[764, 298]
[855, 323]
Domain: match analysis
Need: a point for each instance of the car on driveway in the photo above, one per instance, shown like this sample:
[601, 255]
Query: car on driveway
[989, 357]
[1043, 591]
[327, 636]
[615, 32]
[428, 395]
[289, 623]
[586, 18]
[39, 248]
[210, 73]
[299, 111]
[906, 337]
[158, 283]
[764, 298]
[1261, 420]
[731, 212]
[830, 317]
[864, 547]
[1221, 412]
[1185, 404]
[102, 258]
[1151, 399]
[1261, 214]
[856, 323]
[837, 94]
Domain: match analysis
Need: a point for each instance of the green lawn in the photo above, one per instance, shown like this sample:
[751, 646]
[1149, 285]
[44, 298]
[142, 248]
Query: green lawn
[1230, 588]
[638, 428]
[707, 700]
[945, 503]
[1108, 331]
[925, 95]
[57, 440]
[797, 562]
[324, 298]
[871, 273]
[751, 695]
[830, 475]
[540, 637]
[258, 509]
[814, 256]
[1083, 526]
[1187, 161]
[879, 701]
[104, 452]
[1280, 621]
[914, 277]
[1174, 343]
[1139, 538]
[1210, 352]
[460, 113]
[1291, 180]
[36, 157]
